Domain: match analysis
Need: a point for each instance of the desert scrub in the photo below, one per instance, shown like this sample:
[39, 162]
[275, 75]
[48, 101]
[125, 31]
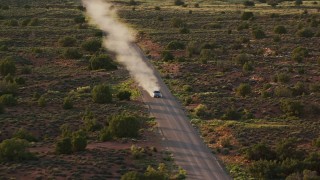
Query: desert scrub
[201, 111]
[101, 94]
[67, 103]
[124, 95]
[15, 150]
[282, 91]
[24, 134]
[137, 152]
[105, 134]
[42, 101]
[167, 56]
[124, 125]
[8, 87]
[247, 15]
[241, 59]
[243, 89]
[291, 108]
[102, 62]
[299, 53]
[280, 30]
[305, 32]
[258, 33]
[72, 53]
[8, 100]
[7, 66]
[91, 45]
[67, 41]
[175, 45]
[282, 78]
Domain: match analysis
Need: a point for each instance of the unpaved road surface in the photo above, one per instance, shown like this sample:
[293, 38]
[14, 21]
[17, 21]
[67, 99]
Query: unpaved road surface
[180, 138]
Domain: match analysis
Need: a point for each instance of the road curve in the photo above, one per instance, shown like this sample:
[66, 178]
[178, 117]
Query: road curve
[179, 137]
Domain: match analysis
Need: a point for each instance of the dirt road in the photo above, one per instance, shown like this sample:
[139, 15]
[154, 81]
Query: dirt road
[180, 137]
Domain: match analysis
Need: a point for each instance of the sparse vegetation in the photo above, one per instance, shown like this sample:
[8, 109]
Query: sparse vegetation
[101, 94]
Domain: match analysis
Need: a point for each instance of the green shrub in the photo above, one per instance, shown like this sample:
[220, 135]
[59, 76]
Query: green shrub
[124, 95]
[212, 26]
[283, 78]
[91, 45]
[276, 38]
[201, 111]
[4, 48]
[281, 91]
[243, 25]
[231, 114]
[20, 80]
[248, 3]
[151, 173]
[258, 34]
[101, 94]
[42, 101]
[8, 100]
[72, 53]
[9, 78]
[312, 161]
[243, 90]
[287, 149]
[174, 45]
[260, 151]
[299, 89]
[157, 8]
[5, 7]
[12, 22]
[178, 2]
[291, 108]
[26, 22]
[67, 103]
[178, 23]
[247, 67]
[184, 30]
[298, 2]
[79, 19]
[132, 2]
[67, 41]
[15, 150]
[63, 146]
[299, 53]
[124, 126]
[105, 135]
[132, 175]
[241, 59]
[34, 22]
[192, 48]
[79, 141]
[280, 30]
[206, 55]
[305, 32]
[265, 169]
[273, 3]
[102, 62]
[247, 15]
[2, 110]
[315, 87]
[137, 152]
[7, 66]
[24, 134]
[90, 122]
[167, 56]
[8, 87]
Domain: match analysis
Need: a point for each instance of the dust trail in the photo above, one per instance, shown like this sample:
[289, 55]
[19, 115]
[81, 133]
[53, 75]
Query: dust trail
[120, 40]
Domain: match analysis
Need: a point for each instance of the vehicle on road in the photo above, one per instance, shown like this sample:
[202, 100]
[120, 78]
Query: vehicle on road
[157, 94]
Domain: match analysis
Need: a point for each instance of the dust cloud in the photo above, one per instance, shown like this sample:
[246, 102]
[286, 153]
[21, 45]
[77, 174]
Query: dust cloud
[120, 39]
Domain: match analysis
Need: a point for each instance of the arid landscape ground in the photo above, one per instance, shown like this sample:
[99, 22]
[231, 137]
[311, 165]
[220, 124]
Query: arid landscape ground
[247, 75]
